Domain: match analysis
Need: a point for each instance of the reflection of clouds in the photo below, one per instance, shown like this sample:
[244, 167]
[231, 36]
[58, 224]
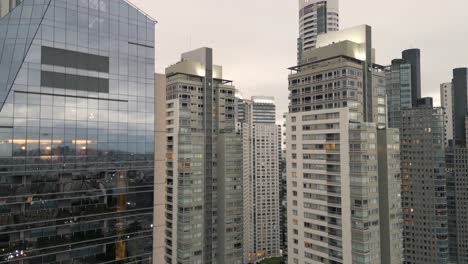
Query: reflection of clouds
[55, 126]
[99, 5]
[95, 21]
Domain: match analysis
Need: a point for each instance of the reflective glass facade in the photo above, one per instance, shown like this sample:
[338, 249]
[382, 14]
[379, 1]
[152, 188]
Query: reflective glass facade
[76, 133]
[398, 88]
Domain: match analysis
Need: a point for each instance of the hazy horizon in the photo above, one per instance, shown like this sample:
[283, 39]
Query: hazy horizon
[255, 41]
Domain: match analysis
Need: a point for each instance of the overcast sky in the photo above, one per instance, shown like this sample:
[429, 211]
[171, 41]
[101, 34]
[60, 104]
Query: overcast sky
[255, 40]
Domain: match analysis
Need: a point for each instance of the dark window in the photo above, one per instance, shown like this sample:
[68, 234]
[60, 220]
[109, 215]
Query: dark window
[73, 59]
[74, 82]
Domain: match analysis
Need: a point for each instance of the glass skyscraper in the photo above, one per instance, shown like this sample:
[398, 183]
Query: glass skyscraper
[398, 85]
[76, 132]
[403, 85]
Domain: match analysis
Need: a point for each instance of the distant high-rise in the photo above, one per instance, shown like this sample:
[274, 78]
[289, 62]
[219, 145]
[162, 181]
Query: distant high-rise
[413, 57]
[315, 17]
[264, 110]
[391, 218]
[398, 86]
[457, 162]
[204, 164]
[424, 188]
[337, 104]
[403, 85]
[261, 144]
[446, 100]
[460, 105]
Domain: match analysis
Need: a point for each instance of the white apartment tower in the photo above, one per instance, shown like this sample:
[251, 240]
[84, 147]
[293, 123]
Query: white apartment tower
[261, 143]
[315, 17]
[446, 101]
[337, 107]
[204, 164]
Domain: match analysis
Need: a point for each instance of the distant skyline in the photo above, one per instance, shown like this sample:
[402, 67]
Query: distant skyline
[255, 41]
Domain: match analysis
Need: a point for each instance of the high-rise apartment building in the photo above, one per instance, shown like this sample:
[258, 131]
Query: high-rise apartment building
[337, 104]
[459, 236]
[403, 85]
[457, 160]
[76, 132]
[460, 105]
[315, 17]
[446, 100]
[261, 146]
[204, 164]
[424, 191]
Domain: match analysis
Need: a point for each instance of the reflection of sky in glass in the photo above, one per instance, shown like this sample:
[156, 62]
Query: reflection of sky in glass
[79, 154]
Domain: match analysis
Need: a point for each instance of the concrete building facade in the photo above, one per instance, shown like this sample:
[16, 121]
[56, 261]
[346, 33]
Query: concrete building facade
[204, 164]
[337, 104]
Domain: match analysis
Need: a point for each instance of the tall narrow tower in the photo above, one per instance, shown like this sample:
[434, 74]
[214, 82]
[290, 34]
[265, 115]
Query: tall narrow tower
[315, 17]
[204, 164]
[260, 178]
[460, 105]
